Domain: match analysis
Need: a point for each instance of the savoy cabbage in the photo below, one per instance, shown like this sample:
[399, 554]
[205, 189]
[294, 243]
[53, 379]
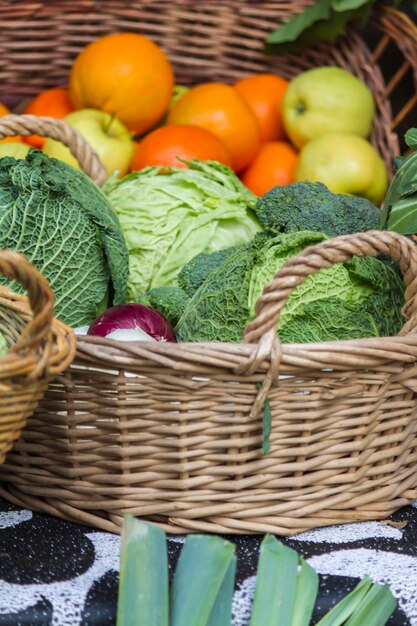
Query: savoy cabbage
[63, 223]
[360, 298]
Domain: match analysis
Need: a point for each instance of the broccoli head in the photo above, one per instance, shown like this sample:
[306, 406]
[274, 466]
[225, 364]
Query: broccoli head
[311, 206]
[168, 301]
[195, 272]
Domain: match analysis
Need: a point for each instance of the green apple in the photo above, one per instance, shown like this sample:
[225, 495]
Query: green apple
[326, 99]
[15, 149]
[105, 133]
[345, 163]
[177, 93]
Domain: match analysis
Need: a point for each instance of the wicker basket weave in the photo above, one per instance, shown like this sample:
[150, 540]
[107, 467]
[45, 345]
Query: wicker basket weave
[39, 347]
[208, 40]
[173, 432]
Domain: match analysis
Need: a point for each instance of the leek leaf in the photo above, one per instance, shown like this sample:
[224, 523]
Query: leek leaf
[143, 579]
[275, 584]
[344, 609]
[375, 609]
[221, 614]
[199, 575]
[305, 595]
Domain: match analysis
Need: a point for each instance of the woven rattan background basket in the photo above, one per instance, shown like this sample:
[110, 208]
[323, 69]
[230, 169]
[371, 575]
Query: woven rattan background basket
[208, 40]
[39, 347]
[173, 433]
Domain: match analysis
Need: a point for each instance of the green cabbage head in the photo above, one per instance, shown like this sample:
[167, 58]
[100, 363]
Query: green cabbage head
[360, 298]
[63, 223]
[168, 216]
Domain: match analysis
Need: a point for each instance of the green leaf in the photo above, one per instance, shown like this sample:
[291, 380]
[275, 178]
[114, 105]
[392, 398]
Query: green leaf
[347, 5]
[403, 216]
[408, 185]
[320, 22]
[221, 614]
[291, 30]
[407, 176]
[275, 584]
[411, 138]
[143, 579]
[393, 192]
[305, 595]
[344, 609]
[400, 205]
[266, 427]
[202, 566]
[398, 161]
[375, 609]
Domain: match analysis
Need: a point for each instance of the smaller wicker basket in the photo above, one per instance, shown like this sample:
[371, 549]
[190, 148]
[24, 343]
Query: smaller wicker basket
[40, 347]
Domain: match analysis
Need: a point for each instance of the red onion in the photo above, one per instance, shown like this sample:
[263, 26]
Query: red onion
[132, 317]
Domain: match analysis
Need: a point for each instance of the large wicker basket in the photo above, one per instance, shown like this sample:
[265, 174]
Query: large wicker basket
[173, 432]
[38, 346]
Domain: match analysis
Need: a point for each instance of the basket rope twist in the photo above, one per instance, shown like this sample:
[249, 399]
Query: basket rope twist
[25, 125]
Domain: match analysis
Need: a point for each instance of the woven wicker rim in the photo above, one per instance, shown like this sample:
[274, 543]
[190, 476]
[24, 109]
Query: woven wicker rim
[25, 125]
[45, 346]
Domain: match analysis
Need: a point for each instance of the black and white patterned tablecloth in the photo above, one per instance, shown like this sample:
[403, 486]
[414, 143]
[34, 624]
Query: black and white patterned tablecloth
[63, 574]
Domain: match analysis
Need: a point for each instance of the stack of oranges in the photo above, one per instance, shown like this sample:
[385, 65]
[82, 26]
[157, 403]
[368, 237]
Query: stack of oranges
[130, 76]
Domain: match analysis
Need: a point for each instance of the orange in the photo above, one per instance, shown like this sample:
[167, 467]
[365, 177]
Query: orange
[264, 93]
[273, 165]
[164, 145]
[220, 109]
[5, 111]
[54, 102]
[126, 74]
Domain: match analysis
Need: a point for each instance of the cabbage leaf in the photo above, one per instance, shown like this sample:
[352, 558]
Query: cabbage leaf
[360, 298]
[169, 215]
[63, 223]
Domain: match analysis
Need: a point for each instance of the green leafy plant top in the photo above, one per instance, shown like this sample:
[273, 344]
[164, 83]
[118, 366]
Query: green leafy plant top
[400, 206]
[323, 21]
[202, 587]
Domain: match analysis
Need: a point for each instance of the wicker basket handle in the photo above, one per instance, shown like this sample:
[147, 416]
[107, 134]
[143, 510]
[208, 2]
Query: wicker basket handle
[38, 331]
[11, 125]
[325, 254]
[263, 329]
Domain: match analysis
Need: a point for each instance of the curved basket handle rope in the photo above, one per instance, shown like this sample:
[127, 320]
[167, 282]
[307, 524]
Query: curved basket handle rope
[36, 336]
[396, 25]
[11, 125]
[263, 329]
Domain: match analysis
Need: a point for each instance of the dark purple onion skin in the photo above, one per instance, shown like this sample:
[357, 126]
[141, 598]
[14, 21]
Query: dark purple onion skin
[132, 315]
